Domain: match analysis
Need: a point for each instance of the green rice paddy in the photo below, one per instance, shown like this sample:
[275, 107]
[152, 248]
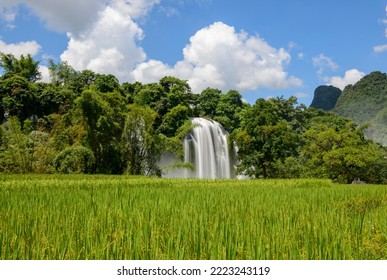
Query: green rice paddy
[119, 217]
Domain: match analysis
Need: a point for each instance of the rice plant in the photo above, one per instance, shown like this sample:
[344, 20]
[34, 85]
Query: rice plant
[122, 217]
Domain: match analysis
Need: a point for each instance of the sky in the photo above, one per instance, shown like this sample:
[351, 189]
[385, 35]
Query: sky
[262, 48]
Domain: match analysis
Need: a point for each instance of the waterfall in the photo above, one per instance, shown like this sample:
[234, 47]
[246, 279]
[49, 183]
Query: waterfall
[206, 148]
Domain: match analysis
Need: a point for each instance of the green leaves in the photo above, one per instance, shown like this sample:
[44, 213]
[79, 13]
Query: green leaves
[365, 102]
[128, 127]
[335, 148]
[25, 66]
[142, 148]
[267, 137]
[24, 151]
[103, 127]
[75, 160]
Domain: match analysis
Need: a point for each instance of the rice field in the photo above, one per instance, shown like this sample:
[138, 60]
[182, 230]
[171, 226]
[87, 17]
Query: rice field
[118, 217]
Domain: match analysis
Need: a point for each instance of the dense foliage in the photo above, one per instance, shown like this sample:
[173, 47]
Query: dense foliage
[84, 122]
[366, 103]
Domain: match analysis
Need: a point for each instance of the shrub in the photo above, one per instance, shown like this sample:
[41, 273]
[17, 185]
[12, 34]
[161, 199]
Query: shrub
[73, 160]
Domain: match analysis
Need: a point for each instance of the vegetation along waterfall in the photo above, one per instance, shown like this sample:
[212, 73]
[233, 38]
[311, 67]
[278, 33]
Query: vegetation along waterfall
[206, 148]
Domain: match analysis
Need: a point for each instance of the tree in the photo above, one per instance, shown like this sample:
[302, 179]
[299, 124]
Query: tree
[25, 150]
[129, 90]
[75, 160]
[208, 102]
[51, 98]
[178, 92]
[103, 120]
[335, 148]
[18, 96]
[15, 156]
[25, 67]
[149, 95]
[173, 120]
[266, 137]
[106, 83]
[142, 147]
[65, 76]
[229, 109]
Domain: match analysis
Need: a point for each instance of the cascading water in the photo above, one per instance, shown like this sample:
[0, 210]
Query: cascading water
[207, 149]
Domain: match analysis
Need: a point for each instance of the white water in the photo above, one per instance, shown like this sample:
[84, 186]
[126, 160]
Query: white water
[206, 148]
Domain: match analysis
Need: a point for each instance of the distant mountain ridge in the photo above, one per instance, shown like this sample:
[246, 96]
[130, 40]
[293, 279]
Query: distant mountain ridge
[364, 102]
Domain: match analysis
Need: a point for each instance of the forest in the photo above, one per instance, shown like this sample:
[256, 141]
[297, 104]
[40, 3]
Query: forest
[85, 122]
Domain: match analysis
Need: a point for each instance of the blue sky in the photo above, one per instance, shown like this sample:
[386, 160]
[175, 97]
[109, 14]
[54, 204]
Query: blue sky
[263, 48]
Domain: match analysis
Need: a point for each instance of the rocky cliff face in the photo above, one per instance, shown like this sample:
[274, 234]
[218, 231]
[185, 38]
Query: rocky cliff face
[325, 97]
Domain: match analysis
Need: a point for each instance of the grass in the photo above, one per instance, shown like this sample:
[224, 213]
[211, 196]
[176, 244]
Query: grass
[119, 217]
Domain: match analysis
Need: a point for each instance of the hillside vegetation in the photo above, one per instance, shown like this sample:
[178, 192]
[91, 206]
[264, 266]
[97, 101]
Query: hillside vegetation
[366, 103]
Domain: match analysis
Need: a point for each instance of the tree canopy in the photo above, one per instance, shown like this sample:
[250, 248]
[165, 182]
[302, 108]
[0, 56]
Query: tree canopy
[85, 122]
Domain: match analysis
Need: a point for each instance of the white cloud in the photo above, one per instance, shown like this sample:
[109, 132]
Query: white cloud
[168, 11]
[380, 48]
[21, 48]
[62, 16]
[45, 74]
[76, 16]
[109, 47]
[218, 56]
[151, 71]
[323, 62]
[8, 16]
[134, 8]
[350, 77]
[104, 37]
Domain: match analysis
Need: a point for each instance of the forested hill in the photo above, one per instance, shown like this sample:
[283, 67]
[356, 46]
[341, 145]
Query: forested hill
[366, 103]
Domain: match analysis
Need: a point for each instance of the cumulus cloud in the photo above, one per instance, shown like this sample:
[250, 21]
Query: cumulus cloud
[350, 77]
[61, 15]
[324, 64]
[45, 74]
[21, 48]
[218, 56]
[104, 37]
[76, 16]
[109, 47]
